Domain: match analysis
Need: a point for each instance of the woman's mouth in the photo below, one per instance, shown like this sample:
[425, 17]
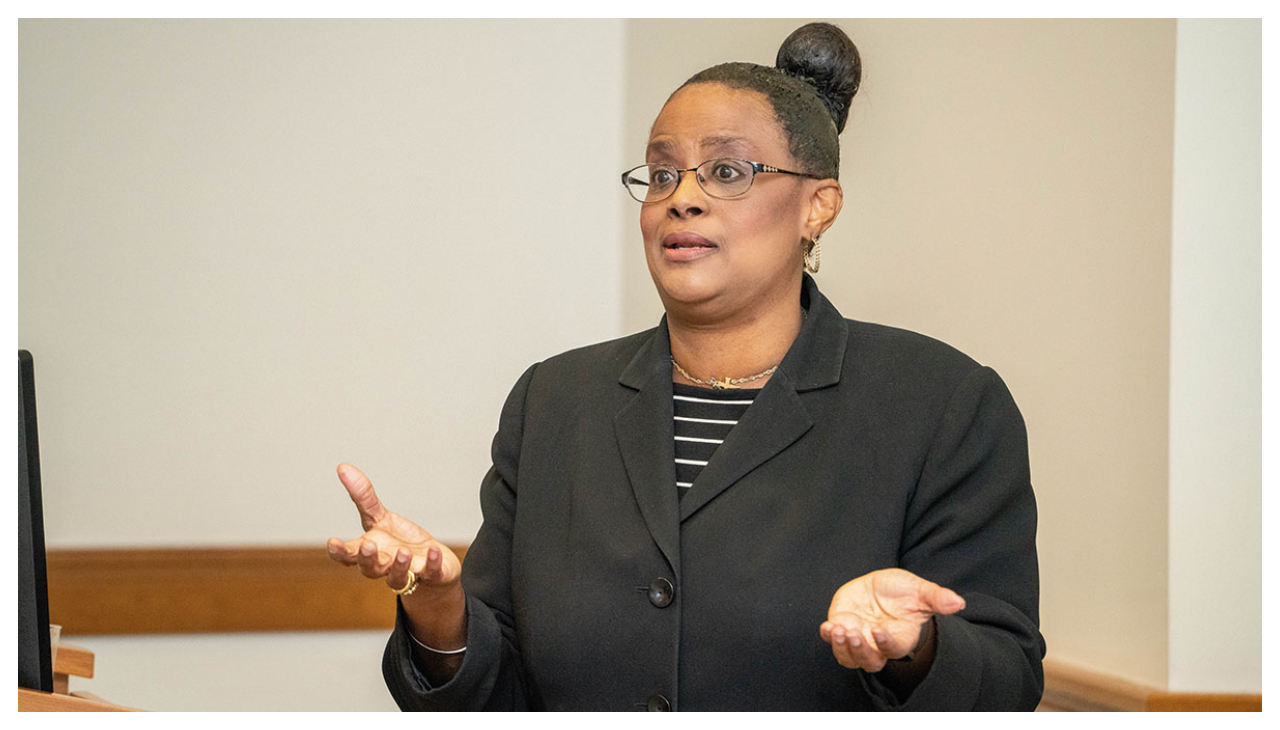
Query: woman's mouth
[686, 246]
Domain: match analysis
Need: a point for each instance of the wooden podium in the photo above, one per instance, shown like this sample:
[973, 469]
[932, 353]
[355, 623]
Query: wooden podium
[71, 661]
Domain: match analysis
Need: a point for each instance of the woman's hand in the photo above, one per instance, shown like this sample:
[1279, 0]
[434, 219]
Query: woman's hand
[880, 616]
[392, 546]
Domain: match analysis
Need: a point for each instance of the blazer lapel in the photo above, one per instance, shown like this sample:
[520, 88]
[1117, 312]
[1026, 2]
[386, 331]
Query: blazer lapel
[772, 423]
[777, 418]
[644, 431]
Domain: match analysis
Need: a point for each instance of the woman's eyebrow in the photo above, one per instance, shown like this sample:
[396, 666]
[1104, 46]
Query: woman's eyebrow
[720, 142]
[666, 146]
[660, 146]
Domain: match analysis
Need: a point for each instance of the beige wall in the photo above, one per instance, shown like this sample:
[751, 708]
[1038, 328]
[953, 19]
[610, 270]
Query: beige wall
[253, 249]
[1007, 190]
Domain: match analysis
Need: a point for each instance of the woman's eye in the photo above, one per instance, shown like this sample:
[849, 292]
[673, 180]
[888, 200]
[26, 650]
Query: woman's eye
[725, 172]
[662, 177]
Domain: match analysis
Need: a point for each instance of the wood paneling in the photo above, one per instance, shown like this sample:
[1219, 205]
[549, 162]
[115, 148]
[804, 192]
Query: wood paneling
[212, 590]
[1073, 689]
[1069, 688]
[1196, 702]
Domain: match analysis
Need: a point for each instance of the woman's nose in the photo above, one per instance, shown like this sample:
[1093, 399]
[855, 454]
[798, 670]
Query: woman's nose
[689, 198]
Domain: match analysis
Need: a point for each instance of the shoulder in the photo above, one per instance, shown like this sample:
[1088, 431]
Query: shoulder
[903, 352]
[601, 359]
[900, 369]
[583, 374]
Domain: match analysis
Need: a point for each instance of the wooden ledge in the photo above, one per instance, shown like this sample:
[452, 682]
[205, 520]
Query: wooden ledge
[199, 590]
[1069, 688]
[30, 700]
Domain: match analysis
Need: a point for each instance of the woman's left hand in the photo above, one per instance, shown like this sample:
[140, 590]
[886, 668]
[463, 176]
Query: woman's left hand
[879, 617]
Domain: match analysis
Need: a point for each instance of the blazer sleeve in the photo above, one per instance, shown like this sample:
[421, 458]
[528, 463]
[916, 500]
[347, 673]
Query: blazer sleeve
[491, 676]
[971, 526]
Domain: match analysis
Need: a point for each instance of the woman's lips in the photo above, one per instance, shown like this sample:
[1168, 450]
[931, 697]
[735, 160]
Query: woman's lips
[686, 246]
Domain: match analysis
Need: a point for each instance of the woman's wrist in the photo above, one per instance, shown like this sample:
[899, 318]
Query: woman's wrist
[437, 616]
[903, 676]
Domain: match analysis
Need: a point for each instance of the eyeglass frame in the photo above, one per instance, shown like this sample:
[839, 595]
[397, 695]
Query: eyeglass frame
[756, 169]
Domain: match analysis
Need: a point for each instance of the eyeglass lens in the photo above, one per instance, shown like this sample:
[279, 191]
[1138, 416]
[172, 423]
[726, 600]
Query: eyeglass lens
[723, 178]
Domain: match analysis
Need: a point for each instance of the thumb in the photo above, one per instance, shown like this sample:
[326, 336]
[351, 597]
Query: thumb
[361, 492]
[940, 600]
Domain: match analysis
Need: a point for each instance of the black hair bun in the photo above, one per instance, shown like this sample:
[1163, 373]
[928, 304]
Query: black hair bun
[822, 55]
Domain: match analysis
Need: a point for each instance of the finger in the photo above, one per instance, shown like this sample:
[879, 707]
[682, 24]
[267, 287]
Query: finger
[338, 552]
[865, 652]
[398, 573]
[432, 567]
[940, 600]
[360, 489]
[839, 649]
[825, 631]
[846, 639]
[890, 646]
[372, 563]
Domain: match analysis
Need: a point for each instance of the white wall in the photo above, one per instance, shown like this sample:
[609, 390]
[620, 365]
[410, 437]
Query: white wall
[253, 249]
[1215, 388]
[299, 671]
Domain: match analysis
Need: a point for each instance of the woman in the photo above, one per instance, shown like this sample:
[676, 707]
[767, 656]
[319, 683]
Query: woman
[756, 505]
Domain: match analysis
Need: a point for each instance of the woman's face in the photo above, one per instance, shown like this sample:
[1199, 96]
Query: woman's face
[714, 259]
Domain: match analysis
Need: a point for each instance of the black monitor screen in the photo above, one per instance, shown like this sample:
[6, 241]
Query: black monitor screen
[35, 663]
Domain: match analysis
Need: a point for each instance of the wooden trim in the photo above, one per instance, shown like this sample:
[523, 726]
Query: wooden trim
[30, 700]
[1074, 689]
[1071, 688]
[1200, 702]
[163, 591]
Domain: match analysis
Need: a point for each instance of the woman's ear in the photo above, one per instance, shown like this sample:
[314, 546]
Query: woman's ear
[824, 206]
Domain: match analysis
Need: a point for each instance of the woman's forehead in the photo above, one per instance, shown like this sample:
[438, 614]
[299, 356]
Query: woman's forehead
[714, 119]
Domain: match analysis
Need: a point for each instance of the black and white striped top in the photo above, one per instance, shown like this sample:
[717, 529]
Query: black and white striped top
[704, 418]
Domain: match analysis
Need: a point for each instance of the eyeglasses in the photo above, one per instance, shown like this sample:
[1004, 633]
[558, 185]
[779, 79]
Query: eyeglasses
[720, 178]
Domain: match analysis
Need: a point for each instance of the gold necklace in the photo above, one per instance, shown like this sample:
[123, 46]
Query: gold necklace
[725, 384]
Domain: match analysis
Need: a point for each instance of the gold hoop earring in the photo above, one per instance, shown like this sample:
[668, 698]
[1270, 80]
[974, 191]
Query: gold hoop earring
[813, 256]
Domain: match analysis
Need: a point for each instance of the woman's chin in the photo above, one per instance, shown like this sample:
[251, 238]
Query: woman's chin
[703, 302]
[687, 288]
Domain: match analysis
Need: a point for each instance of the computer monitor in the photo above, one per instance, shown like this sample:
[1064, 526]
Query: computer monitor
[35, 660]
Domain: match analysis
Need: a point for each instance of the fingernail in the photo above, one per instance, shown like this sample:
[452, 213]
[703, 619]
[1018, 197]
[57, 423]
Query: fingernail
[433, 554]
[855, 640]
[879, 637]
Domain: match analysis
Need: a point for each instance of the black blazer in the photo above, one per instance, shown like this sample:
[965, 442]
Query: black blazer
[592, 586]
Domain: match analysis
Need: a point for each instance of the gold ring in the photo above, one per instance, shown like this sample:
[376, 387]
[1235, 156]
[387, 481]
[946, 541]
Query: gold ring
[409, 587]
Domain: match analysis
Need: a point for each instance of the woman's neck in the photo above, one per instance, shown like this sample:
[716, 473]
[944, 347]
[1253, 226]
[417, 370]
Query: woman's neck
[734, 347]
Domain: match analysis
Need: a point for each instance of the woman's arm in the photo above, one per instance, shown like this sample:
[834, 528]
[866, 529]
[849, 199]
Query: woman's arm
[488, 675]
[966, 593]
[971, 526]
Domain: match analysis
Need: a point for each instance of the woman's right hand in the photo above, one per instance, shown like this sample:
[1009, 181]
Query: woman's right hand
[392, 546]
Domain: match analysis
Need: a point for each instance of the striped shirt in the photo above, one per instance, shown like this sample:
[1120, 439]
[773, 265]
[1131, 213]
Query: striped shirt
[704, 418]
